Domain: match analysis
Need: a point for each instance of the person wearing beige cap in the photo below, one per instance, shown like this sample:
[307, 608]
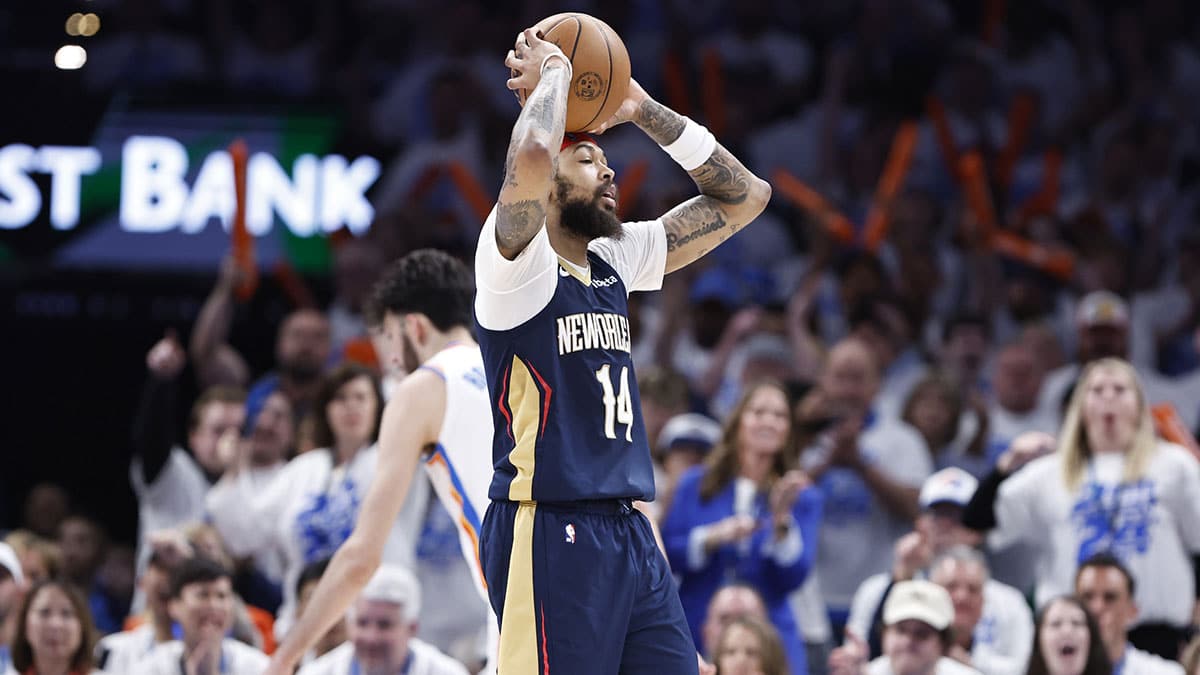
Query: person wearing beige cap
[993, 624]
[918, 632]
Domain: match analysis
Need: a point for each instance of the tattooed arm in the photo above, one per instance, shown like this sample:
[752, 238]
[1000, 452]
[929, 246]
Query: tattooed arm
[730, 196]
[533, 149]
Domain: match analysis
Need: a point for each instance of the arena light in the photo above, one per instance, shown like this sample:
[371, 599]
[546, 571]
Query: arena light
[89, 25]
[74, 23]
[70, 57]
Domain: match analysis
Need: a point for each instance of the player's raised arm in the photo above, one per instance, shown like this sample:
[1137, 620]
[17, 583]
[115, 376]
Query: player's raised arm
[544, 71]
[730, 195]
[410, 424]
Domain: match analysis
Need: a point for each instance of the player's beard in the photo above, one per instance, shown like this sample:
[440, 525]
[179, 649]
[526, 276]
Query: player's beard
[587, 219]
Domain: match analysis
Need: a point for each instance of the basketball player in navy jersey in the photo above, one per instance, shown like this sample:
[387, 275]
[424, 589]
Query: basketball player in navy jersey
[437, 417]
[573, 570]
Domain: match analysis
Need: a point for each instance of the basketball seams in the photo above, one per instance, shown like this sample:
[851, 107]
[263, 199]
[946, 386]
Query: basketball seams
[578, 32]
[608, 82]
[589, 75]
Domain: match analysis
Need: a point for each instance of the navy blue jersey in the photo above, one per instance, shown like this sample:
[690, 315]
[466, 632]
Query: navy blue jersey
[566, 412]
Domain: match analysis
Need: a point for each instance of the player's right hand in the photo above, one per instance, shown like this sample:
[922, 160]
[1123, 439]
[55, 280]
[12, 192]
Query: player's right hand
[526, 59]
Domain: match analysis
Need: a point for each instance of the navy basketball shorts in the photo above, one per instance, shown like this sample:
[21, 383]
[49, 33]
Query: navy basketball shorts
[582, 589]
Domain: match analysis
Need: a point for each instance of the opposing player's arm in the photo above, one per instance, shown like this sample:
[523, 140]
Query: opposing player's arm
[730, 195]
[411, 422]
[536, 137]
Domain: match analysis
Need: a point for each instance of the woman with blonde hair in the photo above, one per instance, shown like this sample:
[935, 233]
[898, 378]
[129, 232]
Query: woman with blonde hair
[746, 515]
[1107, 485]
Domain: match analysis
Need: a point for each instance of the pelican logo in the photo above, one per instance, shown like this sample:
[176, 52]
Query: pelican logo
[588, 86]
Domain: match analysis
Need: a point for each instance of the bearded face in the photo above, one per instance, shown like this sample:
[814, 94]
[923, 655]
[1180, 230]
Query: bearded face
[587, 216]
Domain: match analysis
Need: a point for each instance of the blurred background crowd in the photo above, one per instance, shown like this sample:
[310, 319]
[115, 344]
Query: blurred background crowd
[973, 201]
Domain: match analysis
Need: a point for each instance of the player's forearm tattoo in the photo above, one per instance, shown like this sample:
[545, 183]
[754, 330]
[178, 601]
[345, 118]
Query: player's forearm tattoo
[546, 103]
[723, 178]
[542, 116]
[694, 219]
[659, 122]
[510, 160]
[518, 219]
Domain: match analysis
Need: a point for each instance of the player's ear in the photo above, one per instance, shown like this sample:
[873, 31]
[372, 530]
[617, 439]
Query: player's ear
[418, 326]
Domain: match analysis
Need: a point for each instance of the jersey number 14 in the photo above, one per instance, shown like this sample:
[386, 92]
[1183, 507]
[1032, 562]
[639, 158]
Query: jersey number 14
[618, 407]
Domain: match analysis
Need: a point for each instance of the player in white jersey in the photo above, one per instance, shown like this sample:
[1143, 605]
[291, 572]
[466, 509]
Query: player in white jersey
[439, 415]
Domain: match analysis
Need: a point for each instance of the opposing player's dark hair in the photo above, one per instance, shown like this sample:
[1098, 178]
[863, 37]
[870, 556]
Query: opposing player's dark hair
[426, 281]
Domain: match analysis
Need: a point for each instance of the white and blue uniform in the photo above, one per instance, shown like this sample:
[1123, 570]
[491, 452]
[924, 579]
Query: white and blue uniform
[459, 466]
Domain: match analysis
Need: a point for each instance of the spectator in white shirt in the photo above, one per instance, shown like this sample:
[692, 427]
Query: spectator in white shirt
[993, 625]
[1016, 382]
[917, 635]
[202, 603]
[1106, 587]
[170, 483]
[119, 652]
[382, 628]
[870, 467]
[996, 641]
[1112, 487]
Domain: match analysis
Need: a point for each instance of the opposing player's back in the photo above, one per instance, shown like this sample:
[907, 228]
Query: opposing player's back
[457, 466]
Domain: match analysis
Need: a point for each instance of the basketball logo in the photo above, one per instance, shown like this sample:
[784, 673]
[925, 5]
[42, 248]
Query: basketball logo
[588, 86]
[570, 529]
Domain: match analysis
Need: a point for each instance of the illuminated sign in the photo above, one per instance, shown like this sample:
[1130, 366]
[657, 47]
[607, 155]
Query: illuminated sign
[320, 195]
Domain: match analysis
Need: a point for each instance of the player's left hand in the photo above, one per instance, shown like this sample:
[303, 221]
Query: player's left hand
[633, 98]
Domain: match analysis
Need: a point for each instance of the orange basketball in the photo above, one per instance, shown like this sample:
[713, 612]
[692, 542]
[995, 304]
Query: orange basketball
[599, 66]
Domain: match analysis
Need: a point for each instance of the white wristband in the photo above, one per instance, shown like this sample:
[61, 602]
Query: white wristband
[556, 55]
[693, 147]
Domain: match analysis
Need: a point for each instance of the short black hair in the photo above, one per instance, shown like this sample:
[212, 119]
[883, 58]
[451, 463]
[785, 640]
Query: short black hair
[965, 320]
[197, 570]
[311, 572]
[429, 282]
[1106, 559]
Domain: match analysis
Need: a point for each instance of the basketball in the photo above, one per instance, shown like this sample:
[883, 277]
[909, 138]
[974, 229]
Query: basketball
[599, 66]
